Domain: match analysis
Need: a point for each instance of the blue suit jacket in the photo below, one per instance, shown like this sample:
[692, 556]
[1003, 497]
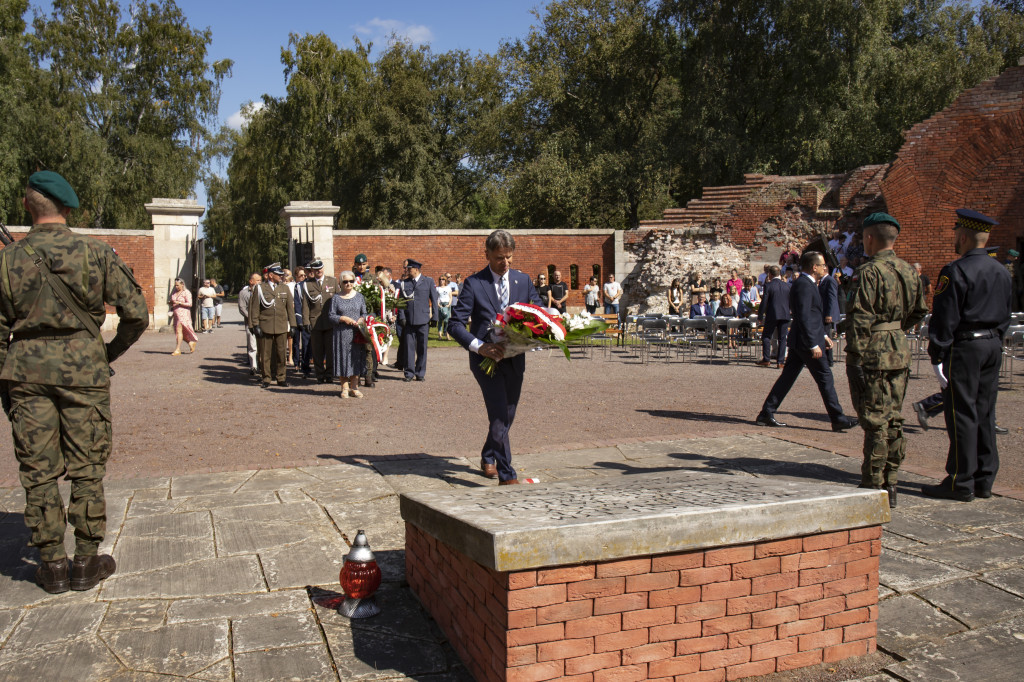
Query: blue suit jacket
[807, 330]
[477, 307]
[424, 295]
[775, 302]
[828, 288]
[695, 310]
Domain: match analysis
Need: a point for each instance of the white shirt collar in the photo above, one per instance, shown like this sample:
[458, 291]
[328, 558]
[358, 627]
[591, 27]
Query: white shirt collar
[495, 276]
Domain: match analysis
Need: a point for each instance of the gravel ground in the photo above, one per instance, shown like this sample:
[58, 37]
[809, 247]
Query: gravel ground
[202, 412]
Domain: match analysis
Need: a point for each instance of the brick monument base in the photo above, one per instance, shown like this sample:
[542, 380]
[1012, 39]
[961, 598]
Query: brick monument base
[718, 613]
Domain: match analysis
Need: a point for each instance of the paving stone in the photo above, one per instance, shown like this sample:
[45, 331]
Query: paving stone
[225, 575]
[8, 619]
[990, 653]
[367, 655]
[334, 473]
[401, 615]
[907, 573]
[250, 529]
[223, 500]
[974, 602]
[147, 507]
[178, 649]
[1013, 529]
[899, 543]
[191, 485]
[570, 458]
[362, 489]
[43, 626]
[130, 615]
[310, 562]
[82, 659]
[1011, 580]
[380, 519]
[925, 531]
[187, 525]
[130, 484]
[980, 555]
[697, 447]
[276, 479]
[151, 494]
[145, 554]
[407, 483]
[884, 592]
[135, 676]
[274, 631]
[285, 665]
[291, 495]
[12, 499]
[906, 622]
[237, 606]
[221, 671]
[965, 516]
[565, 474]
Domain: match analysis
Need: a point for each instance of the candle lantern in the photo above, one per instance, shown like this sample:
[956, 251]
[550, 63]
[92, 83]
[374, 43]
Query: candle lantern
[360, 578]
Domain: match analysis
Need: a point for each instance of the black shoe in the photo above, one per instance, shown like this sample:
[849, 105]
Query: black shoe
[52, 576]
[406, 379]
[376, 375]
[765, 419]
[983, 493]
[843, 423]
[922, 416]
[87, 572]
[282, 384]
[266, 384]
[421, 378]
[891, 489]
[1001, 430]
[944, 492]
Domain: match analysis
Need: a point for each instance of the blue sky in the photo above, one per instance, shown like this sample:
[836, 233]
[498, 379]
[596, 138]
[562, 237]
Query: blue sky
[253, 33]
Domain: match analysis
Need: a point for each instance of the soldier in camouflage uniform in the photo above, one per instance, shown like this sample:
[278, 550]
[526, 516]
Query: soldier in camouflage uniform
[885, 299]
[55, 376]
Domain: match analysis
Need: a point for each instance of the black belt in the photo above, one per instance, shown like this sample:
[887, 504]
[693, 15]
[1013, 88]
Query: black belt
[976, 334]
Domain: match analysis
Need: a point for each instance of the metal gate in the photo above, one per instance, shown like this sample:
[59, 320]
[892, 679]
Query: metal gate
[198, 275]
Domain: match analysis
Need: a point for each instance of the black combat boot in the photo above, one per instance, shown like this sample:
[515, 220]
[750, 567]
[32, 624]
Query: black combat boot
[88, 571]
[52, 576]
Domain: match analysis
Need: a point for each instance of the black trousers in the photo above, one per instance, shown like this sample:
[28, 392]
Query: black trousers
[320, 341]
[766, 339]
[414, 343]
[934, 404]
[970, 405]
[501, 397]
[795, 362]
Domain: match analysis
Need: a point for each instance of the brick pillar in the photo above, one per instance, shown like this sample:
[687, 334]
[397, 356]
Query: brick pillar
[313, 221]
[175, 224]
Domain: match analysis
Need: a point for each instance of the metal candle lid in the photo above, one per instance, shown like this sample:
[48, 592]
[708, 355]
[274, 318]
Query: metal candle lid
[360, 550]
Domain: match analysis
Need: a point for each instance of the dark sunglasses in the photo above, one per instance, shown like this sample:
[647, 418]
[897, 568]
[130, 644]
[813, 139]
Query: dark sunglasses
[348, 281]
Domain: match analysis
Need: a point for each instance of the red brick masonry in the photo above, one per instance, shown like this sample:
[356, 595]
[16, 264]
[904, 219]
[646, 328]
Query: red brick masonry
[718, 614]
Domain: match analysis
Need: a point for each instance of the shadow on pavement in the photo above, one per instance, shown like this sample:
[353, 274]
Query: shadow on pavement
[18, 561]
[697, 416]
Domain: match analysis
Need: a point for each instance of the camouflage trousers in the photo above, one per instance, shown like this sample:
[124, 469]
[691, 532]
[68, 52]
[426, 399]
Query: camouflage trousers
[62, 431]
[879, 413]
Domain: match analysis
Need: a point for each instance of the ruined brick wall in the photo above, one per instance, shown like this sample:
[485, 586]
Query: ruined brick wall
[462, 251]
[970, 155]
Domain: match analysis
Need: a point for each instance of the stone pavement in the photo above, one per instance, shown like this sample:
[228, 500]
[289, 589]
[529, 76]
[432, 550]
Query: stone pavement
[233, 576]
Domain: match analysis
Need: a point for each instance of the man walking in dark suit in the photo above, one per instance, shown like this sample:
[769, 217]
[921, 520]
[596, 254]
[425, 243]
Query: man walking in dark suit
[807, 339]
[774, 310]
[422, 293]
[828, 288]
[482, 297]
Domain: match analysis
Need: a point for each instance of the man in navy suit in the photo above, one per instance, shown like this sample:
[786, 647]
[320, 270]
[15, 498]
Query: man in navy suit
[828, 289]
[481, 298]
[700, 308]
[423, 294]
[807, 339]
[774, 310]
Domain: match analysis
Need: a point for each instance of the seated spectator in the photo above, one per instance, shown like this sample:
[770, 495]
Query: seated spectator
[726, 309]
[749, 297]
[700, 308]
[675, 298]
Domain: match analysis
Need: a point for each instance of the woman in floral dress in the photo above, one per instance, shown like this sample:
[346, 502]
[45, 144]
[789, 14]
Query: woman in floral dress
[181, 306]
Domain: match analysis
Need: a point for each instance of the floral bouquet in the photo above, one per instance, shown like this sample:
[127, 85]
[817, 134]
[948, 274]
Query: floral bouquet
[524, 326]
[379, 300]
[377, 334]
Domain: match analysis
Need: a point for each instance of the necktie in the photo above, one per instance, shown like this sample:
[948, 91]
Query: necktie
[502, 293]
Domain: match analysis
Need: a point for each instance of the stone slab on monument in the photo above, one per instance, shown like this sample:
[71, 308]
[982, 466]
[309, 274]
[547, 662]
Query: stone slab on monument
[654, 574]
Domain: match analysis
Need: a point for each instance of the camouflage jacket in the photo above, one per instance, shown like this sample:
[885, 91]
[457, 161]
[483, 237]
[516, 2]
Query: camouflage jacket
[884, 292]
[41, 340]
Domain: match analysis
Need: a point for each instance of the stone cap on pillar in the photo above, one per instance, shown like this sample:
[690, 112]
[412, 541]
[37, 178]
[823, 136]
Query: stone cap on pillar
[309, 209]
[184, 207]
[568, 522]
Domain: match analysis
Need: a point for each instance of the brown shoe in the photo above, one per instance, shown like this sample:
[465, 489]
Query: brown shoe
[511, 481]
[87, 572]
[490, 470]
[52, 576]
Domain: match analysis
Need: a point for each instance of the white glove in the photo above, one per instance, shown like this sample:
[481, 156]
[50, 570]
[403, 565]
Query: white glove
[943, 382]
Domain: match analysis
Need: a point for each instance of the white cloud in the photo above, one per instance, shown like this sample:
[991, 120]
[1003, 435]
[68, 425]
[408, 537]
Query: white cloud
[378, 29]
[242, 116]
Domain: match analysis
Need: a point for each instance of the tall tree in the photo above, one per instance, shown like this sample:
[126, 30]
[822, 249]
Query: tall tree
[16, 76]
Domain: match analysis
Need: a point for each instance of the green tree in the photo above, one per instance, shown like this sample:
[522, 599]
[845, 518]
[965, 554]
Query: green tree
[126, 104]
[16, 76]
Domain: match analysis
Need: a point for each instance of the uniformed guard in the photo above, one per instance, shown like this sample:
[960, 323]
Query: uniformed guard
[319, 289]
[55, 376]
[971, 314]
[885, 300]
[271, 315]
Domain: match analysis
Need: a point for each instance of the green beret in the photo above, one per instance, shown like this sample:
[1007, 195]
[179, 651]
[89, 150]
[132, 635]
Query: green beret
[1013, 253]
[361, 258]
[877, 218]
[54, 186]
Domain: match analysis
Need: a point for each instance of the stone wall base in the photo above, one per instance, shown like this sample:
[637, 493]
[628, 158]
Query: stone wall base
[717, 614]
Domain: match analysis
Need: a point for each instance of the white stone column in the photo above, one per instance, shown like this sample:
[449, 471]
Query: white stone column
[313, 221]
[175, 227]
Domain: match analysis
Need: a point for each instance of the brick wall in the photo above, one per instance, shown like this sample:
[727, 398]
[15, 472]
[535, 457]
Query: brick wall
[453, 251]
[970, 155]
[719, 614]
[135, 247]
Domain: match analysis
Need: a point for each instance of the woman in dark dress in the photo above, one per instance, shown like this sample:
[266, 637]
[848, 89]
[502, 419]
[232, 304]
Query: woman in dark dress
[346, 311]
[727, 309]
[675, 298]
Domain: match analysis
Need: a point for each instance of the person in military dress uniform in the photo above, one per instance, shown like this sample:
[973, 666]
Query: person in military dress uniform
[271, 315]
[965, 341]
[55, 376]
[885, 300]
[319, 289]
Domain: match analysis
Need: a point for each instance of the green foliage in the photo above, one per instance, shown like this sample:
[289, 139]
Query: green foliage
[118, 100]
